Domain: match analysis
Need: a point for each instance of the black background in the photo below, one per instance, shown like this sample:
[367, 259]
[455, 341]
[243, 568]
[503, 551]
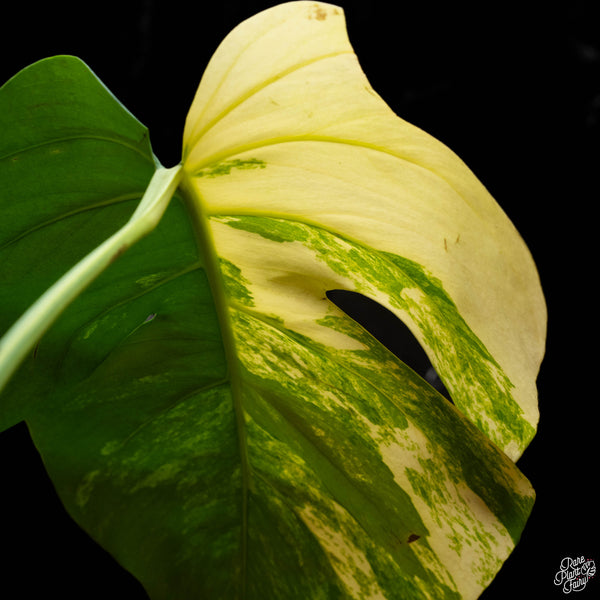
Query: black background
[513, 89]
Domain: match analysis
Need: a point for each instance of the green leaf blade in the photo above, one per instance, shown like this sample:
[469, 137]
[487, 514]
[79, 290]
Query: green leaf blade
[69, 149]
[59, 99]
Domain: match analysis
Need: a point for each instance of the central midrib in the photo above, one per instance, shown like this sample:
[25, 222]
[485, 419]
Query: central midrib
[206, 247]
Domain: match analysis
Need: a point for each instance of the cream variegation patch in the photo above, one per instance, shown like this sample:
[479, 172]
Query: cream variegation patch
[288, 281]
[464, 535]
[347, 559]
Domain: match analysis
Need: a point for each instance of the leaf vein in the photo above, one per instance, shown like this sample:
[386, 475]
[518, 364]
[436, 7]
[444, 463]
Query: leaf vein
[255, 90]
[72, 213]
[177, 402]
[52, 142]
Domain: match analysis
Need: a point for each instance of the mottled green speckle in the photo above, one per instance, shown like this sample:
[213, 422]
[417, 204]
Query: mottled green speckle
[477, 383]
[236, 286]
[225, 167]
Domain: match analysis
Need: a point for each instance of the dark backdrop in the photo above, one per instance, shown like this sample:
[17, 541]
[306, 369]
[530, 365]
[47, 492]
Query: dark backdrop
[514, 91]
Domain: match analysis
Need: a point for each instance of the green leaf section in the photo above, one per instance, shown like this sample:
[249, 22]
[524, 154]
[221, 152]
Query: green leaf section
[205, 412]
[69, 152]
[20, 339]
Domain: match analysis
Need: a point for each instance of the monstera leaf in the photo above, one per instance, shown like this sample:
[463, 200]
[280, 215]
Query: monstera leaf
[204, 410]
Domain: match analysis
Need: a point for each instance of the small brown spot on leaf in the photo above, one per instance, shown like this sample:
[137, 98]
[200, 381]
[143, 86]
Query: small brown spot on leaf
[118, 253]
[413, 537]
[319, 13]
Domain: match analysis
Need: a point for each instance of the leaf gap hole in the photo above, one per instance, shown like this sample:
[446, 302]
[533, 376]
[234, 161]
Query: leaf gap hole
[386, 327]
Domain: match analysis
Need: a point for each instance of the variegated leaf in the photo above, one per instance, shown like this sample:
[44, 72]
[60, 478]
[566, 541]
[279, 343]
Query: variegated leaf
[222, 427]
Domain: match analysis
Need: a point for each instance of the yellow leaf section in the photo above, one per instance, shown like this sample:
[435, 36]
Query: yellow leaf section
[284, 98]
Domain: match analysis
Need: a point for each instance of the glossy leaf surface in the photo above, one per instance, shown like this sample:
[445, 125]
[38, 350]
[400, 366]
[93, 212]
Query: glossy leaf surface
[204, 411]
